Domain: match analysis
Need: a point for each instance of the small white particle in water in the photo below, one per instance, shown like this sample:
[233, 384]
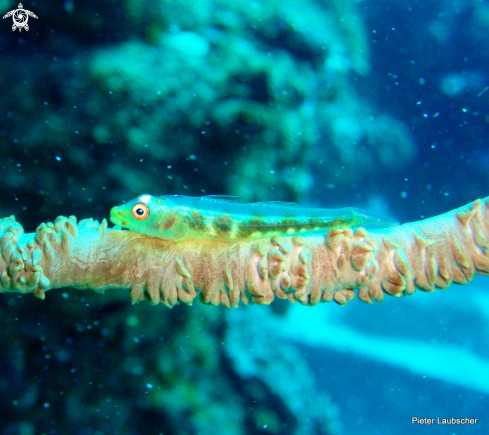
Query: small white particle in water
[404, 195]
[58, 158]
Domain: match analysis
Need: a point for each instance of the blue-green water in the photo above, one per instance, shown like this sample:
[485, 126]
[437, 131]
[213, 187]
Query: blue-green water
[373, 104]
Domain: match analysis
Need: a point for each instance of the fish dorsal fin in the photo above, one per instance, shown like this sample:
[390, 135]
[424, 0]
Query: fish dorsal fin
[277, 204]
[237, 199]
[229, 198]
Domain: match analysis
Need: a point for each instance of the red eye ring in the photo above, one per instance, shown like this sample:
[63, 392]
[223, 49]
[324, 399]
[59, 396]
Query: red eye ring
[140, 211]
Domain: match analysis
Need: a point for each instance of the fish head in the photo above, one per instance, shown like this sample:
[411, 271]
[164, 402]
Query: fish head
[148, 215]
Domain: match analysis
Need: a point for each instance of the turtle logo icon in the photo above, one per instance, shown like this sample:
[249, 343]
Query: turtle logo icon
[20, 17]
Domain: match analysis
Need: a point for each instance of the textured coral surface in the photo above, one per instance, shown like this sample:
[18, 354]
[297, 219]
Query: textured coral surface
[429, 254]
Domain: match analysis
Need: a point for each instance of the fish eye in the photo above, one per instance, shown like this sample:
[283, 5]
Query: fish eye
[140, 211]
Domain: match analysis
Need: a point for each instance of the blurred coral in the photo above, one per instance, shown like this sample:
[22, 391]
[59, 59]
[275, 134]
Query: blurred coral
[181, 92]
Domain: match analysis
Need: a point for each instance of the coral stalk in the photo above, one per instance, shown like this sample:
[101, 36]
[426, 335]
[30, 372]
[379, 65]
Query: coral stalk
[428, 254]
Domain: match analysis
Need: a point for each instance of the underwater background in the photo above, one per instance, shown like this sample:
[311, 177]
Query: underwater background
[330, 103]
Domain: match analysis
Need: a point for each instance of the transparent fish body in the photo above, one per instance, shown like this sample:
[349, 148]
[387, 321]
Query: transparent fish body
[179, 217]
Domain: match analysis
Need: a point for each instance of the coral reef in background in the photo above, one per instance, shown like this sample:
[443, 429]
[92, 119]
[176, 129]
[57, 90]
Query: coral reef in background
[265, 361]
[101, 365]
[173, 93]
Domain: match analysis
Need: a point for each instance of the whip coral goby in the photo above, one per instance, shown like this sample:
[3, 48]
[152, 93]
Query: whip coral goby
[180, 217]
[428, 254]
